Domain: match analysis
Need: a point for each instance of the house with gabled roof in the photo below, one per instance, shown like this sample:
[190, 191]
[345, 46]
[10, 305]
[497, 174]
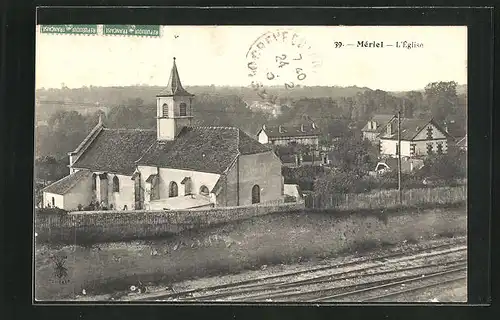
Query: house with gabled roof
[419, 138]
[176, 166]
[304, 133]
[375, 126]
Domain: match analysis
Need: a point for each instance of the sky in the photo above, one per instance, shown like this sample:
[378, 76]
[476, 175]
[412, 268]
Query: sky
[217, 55]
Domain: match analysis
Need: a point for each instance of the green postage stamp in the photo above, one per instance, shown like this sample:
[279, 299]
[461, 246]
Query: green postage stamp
[95, 29]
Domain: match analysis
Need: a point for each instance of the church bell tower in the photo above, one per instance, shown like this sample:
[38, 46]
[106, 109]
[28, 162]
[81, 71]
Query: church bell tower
[173, 108]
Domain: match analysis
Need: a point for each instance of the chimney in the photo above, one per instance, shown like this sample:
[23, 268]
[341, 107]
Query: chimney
[314, 125]
[301, 128]
[280, 129]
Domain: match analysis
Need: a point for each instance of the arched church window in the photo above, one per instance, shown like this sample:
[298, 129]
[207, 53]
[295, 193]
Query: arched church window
[94, 182]
[204, 191]
[173, 190]
[183, 109]
[256, 194]
[165, 110]
[116, 184]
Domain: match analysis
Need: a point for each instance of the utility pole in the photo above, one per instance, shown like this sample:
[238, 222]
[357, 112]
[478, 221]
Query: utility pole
[400, 191]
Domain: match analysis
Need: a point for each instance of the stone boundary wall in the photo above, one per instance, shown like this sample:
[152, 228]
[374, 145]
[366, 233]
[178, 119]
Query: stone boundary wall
[101, 226]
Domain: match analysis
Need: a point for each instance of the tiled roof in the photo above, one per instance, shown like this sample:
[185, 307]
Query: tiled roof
[116, 150]
[249, 145]
[205, 149]
[67, 183]
[291, 131]
[151, 178]
[455, 130]
[381, 120]
[409, 128]
[174, 86]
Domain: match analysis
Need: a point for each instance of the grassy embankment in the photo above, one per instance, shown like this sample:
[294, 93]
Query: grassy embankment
[233, 247]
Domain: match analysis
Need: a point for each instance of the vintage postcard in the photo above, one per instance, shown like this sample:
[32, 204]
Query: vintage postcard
[242, 164]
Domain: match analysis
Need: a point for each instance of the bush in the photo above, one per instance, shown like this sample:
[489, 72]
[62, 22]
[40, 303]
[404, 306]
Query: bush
[49, 211]
[303, 176]
[446, 167]
[340, 182]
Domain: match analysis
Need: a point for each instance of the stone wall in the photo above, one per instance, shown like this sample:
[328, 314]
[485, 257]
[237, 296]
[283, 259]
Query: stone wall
[102, 226]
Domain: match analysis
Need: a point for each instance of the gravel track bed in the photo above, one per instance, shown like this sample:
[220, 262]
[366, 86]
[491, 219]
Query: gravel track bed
[307, 278]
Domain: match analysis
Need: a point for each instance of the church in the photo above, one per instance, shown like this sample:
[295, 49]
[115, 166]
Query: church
[176, 166]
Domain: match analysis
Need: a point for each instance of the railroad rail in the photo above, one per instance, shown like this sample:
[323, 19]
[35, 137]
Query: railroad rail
[281, 284]
[372, 292]
[293, 289]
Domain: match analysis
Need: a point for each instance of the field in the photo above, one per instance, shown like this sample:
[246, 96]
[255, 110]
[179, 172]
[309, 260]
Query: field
[231, 248]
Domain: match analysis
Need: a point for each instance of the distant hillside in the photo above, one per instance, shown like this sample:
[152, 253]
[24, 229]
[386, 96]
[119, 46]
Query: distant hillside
[461, 89]
[113, 96]
[85, 99]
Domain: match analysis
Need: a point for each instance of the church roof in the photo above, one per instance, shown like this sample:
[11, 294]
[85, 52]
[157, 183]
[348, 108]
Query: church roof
[174, 86]
[115, 150]
[67, 183]
[205, 149]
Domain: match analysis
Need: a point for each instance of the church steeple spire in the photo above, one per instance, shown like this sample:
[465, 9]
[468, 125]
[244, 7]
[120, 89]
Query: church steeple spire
[173, 108]
[174, 86]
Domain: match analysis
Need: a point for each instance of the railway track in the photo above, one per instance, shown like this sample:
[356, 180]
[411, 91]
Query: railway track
[287, 285]
[298, 292]
[398, 286]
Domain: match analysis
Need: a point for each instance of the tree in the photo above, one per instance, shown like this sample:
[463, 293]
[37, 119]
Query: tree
[414, 101]
[336, 182]
[447, 167]
[353, 155]
[304, 176]
[441, 99]
[48, 168]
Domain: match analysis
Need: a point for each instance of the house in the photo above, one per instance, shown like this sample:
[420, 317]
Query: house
[390, 164]
[176, 166]
[68, 192]
[419, 137]
[298, 159]
[375, 126]
[305, 133]
[304, 136]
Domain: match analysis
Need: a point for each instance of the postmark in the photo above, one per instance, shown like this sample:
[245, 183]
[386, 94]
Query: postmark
[281, 57]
